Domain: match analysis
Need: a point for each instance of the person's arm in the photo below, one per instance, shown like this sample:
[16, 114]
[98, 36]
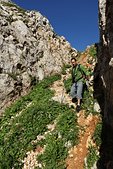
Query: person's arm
[85, 72]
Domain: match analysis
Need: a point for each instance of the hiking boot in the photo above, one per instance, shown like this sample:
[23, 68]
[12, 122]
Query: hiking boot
[74, 100]
[78, 108]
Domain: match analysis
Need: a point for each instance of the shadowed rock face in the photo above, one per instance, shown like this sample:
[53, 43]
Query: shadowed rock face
[104, 79]
[105, 55]
[29, 50]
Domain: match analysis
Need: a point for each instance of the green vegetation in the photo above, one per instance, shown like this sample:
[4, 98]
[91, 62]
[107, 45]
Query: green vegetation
[92, 157]
[93, 151]
[54, 154]
[64, 68]
[27, 118]
[88, 102]
[93, 51]
[60, 140]
[58, 143]
[67, 84]
[97, 134]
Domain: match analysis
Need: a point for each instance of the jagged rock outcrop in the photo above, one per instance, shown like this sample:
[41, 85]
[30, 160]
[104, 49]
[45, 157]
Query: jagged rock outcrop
[104, 80]
[30, 50]
[105, 57]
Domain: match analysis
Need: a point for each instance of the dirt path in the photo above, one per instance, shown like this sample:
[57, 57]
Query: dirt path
[77, 155]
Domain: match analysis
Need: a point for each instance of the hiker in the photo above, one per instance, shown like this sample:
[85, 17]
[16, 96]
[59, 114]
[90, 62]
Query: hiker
[79, 74]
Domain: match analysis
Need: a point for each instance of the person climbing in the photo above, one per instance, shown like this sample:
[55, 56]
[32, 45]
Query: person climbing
[79, 74]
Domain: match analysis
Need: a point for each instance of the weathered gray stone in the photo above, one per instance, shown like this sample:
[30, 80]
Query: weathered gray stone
[30, 49]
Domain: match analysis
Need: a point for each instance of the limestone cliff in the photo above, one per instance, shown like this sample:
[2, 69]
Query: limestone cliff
[104, 80]
[30, 50]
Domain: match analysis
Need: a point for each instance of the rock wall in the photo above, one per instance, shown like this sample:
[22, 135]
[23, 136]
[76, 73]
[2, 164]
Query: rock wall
[105, 57]
[30, 50]
[104, 80]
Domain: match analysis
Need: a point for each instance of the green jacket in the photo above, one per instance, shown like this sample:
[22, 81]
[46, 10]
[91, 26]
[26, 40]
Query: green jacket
[79, 73]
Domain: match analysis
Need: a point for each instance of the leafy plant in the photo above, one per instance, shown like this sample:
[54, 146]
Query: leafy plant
[92, 157]
[88, 102]
[93, 51]
[55, 153]
[67, 84]
[64, 68]
[60, 140]
[67, 126]
[97, 134]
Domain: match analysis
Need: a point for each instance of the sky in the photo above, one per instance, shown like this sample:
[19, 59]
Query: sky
[76, 20]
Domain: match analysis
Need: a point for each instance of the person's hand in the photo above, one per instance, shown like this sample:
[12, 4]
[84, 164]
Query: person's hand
[87, 77]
